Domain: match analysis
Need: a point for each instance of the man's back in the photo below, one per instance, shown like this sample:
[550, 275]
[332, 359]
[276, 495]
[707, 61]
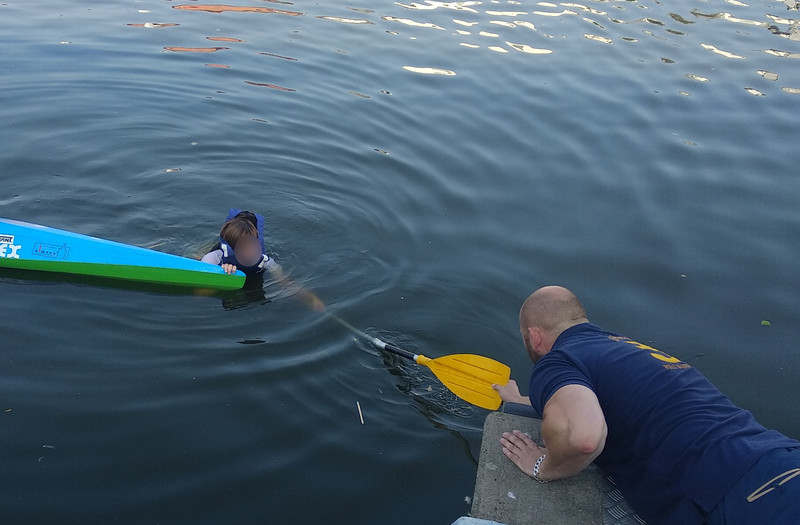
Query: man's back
[675, 444]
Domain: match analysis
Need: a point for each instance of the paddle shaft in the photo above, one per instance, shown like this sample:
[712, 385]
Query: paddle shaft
[383, 345]
[468, 376]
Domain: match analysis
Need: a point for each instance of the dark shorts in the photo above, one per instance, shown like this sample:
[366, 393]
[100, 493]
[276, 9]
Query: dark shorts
[768, 493]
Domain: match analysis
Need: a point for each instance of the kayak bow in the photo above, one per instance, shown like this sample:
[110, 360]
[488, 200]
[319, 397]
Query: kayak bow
[27, 246]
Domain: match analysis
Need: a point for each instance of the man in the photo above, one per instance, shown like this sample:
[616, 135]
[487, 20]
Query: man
[678, 449]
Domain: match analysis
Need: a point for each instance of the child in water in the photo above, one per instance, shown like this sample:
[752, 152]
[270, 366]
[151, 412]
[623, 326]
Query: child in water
[241, 247]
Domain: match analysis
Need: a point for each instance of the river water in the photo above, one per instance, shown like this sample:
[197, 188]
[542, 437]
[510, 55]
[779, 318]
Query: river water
[423, 167]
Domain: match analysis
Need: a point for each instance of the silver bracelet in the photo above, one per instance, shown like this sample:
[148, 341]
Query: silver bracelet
[536, 469]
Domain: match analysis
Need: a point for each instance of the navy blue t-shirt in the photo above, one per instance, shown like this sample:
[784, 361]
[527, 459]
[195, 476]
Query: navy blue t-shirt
[675, 445]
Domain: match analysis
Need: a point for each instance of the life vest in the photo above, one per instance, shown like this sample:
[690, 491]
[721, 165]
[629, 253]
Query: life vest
[229, 257]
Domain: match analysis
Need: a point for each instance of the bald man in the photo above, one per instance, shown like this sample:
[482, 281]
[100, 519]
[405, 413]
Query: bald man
[678, 449]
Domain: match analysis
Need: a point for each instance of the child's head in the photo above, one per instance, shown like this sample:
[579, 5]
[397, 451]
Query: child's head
[248, 250]
[237, 229]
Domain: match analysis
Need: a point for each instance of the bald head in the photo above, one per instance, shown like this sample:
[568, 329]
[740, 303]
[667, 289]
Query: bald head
[551, 310]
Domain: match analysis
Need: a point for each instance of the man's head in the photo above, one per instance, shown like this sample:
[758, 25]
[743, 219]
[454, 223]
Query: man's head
[544, 315]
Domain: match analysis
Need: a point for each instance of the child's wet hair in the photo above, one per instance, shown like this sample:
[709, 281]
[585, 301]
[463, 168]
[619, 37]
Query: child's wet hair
[249, 215]
[237, 228]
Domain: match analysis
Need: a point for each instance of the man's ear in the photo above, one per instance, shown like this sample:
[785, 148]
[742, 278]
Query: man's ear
[535, 337]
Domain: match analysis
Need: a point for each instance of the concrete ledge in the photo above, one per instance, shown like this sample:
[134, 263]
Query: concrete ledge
[503, 493]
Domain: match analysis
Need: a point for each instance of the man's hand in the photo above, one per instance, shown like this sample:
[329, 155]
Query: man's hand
[521, 450]
[510, 393]
[229, 268]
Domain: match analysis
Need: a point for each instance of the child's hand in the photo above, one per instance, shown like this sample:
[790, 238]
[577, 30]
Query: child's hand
[229, 268]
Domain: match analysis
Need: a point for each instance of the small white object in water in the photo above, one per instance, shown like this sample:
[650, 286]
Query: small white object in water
[467, 500]
[511, 495]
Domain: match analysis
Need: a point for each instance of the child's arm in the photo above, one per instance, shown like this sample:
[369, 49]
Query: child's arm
[215, 258]
[306, 295]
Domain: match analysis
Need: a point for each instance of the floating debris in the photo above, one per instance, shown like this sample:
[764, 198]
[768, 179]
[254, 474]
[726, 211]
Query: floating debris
[360, 415]
[765, 323]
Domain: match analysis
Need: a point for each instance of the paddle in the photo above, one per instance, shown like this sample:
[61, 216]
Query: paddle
[468, 376]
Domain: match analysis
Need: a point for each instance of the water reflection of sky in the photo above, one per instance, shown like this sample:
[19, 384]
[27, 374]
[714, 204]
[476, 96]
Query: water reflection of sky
[696, 42]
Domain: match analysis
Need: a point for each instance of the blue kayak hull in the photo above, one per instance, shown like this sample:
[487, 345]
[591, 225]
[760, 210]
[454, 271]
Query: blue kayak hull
[27, 246]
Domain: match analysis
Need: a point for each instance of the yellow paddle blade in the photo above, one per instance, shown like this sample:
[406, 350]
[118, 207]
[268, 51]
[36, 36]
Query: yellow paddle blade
[470, 377]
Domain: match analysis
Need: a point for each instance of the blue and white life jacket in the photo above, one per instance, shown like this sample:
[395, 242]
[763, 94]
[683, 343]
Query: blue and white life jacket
[228, 255]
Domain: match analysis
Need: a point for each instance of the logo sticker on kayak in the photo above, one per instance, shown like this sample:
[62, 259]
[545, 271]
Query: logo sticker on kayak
[8, 249]
[51, 251]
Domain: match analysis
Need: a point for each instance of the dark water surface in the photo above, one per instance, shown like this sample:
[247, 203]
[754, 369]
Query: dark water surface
[423, 167]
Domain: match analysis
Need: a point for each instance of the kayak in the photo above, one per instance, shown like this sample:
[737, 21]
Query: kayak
[27, 246]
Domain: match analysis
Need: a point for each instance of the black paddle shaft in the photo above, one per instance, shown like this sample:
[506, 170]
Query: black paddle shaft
[396, 350]
[383, 345]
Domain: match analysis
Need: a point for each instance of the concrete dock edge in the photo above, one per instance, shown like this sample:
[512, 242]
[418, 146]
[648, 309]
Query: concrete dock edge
[504, 494]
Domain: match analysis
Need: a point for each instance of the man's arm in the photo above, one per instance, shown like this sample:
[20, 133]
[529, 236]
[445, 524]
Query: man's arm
[573, 430]
[510, 393]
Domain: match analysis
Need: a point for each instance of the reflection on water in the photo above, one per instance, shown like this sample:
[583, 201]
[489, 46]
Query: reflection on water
[234, 9]
[153, 25]
[273, 86]
[223, 39]
[534, 29]
[194, 49]
[430, 70]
